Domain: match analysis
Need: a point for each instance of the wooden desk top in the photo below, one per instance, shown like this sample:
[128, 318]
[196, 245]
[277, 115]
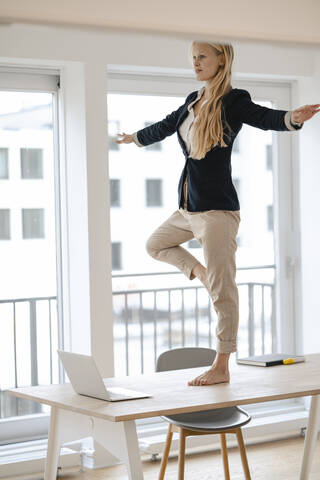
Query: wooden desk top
[172, 394]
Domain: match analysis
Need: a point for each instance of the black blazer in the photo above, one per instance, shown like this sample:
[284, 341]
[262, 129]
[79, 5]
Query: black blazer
[210, 184]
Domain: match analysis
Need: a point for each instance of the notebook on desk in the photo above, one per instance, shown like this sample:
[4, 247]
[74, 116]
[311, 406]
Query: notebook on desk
[271, 359]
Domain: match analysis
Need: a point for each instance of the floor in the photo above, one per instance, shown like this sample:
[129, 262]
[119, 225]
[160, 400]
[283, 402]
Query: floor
[277, 460]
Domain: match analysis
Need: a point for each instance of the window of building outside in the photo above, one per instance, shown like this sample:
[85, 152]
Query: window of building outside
[270, 217]
[269, 156]
[28, 274]
[4, 224]
[31, 162]
[33, 223]
[115, 194]
[116, 250]
[4, 163]
[153, 192]
[168, 311]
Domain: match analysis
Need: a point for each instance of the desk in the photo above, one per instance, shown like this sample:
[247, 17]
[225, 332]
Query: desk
[113, 424]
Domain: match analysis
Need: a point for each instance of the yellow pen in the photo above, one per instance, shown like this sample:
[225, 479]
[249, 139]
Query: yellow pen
[287, 361]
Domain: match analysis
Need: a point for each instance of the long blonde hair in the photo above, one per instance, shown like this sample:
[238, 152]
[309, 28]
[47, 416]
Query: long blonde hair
[207, 130]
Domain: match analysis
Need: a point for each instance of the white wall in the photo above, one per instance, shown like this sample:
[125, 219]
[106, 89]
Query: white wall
[62, 43]
[87, 53]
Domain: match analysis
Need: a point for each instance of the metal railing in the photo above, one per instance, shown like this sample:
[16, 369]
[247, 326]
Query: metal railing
[138, 329]
[146, 322]
[20, 319]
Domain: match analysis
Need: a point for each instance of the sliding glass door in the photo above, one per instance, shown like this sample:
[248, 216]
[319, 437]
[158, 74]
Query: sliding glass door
[30, 325]
[155, 307]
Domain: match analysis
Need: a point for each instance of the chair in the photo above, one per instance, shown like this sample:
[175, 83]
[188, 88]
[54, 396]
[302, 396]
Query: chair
[218, 421]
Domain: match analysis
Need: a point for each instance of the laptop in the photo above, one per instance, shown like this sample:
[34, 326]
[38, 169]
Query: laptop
[86, 380]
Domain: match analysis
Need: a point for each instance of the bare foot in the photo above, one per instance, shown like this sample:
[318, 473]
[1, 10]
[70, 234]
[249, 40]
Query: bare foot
[210, 377]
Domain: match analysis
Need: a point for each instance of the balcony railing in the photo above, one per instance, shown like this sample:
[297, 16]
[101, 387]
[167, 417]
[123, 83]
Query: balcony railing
[147, 321]
[30, 335]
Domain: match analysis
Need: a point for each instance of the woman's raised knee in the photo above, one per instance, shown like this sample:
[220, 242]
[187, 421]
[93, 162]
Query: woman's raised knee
[152, 247]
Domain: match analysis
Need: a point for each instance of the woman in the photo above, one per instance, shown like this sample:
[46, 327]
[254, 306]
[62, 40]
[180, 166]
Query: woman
[207, 125]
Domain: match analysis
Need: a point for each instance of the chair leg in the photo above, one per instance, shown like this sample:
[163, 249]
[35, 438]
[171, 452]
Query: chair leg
[182, 449]
[165, 455]
[224, 451]
[243, 454]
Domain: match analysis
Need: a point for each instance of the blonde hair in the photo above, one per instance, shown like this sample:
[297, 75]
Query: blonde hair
[207, 131]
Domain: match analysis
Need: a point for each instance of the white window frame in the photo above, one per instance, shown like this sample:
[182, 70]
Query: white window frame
[153, 81]
[87, 294]
[14, 78]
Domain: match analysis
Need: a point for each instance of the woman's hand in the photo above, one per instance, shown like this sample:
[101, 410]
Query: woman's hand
[126, 138]
[304, 113]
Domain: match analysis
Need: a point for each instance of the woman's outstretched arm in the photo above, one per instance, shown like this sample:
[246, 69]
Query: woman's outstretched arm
[157, 131]
[244, 110]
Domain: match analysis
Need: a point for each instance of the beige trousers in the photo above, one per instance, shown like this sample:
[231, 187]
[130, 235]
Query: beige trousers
[216, 230]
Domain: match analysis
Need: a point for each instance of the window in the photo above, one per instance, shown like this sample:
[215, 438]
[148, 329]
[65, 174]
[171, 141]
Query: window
[113, 129]
[33, 223]
[270, 217]
[116, 256]
[157, 146]
[194, 243]
[31, 162]
[269, 157]
[4, 168]
[114, 192]
[31, 330]
[5, 224]
[154, 203]
[154, 193]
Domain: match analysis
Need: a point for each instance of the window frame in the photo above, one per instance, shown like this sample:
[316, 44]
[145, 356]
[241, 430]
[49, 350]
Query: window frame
[70, 107]
[286, 199]
[15, 429]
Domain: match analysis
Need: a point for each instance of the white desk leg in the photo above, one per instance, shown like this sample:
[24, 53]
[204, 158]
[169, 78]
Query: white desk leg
[121, 440]
[311, 437]
[65, 426]
[132, 453]
[53, 446]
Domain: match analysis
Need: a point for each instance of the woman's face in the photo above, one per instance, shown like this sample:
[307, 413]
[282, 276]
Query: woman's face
[206, 61]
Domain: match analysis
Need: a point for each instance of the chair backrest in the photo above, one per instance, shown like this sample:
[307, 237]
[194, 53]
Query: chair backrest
[186, 357]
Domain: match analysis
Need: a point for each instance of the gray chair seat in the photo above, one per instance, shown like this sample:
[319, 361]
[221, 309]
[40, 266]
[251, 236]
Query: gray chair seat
[217, 419]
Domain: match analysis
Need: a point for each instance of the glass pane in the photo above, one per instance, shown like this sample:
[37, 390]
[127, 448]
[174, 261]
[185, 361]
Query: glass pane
[33, 223]
[31, 162]
[116, 256]
[114, 192]
[155, 306]
[28, 304]
[4, 224]
[153, 193]
[4, 163]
